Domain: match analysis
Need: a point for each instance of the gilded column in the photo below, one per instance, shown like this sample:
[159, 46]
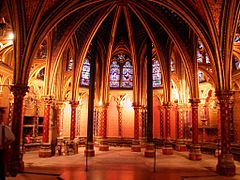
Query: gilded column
[225, 164]
[195, 153]
[60, 107]
[74, 105]
[16, 163]
[78, 120]
[136, 147]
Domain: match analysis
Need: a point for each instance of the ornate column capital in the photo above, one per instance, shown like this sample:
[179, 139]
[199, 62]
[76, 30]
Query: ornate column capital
[19, 90]
[60, 105]
[137, 107]
[74, 104]
[225, 96]
[194, 102]
[166, 104]
[47, 99]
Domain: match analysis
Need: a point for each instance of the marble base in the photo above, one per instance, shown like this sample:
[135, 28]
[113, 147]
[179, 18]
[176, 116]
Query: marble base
[167, 151]
[45, 150]
[89, 151]
[136, 148]
[226, 166]
[181, 148]
[103, 147]
[150, 151]
[195, 153]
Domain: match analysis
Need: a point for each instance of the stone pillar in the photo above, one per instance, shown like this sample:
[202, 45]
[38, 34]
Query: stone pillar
[45, 150]
[74, 105]
[89, 151]
[149, 151]
[103, 146]
[167, 149]
[195, 152]
[16, 163]
[225, 166]
[136, 147]
[180, 144]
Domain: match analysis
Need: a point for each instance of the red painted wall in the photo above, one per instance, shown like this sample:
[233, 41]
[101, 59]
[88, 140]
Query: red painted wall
[112, 120]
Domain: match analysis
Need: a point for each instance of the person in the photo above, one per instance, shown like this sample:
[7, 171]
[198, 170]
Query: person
[6, 138]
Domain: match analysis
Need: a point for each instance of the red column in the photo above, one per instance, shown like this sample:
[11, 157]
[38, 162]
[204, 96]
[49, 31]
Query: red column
[45, 150]
[103, 146]
[161, 122]
[136, 147]
[46, 119]
[180, 144]
[137, 119]
[180, 122]
[16, 163]
[74, 105]
[167, 149]
[225, 164]
[103, 121]
[167, 120]
[195, 153]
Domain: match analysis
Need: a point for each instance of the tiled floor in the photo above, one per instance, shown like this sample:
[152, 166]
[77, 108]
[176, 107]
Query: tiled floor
[121, 164]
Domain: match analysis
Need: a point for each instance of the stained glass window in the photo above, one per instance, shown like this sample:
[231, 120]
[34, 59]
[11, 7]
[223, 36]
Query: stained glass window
[207, 59]
[127, 75]
[114, 75]
[202, 55]
[236, 62]
[156, 74]
[199, 57]
[70, 64]
[172, 65]
[41, 74]
[201, 76]
[85, 75]
[121, 71]
[237, 37]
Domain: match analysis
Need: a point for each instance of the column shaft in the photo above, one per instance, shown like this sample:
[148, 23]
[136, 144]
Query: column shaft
[16, 162]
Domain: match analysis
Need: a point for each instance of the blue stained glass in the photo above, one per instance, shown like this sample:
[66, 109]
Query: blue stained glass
[172, 65]
[207, 59]
[237, 64]
[199, 57]
[114, 75]
[127, 75]
[85, 75]
[156, 74]
[201, 76]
